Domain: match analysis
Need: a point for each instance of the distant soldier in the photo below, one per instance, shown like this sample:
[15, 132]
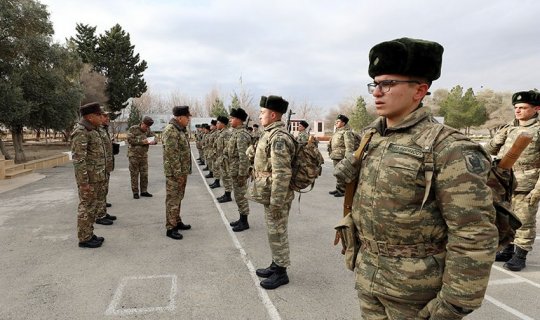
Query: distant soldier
[199, 134]
[342, 143]
[89, 163]
[272, 173]
[102, 216]
[527, 172]
[139, 138]
[237, 146]
[222, 163]
[177, 166]
[210, 152]
[424, 215]
[303, 135]
[256, 134]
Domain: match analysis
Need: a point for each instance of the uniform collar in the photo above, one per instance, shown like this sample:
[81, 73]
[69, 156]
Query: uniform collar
[273, 125]
[410, 120]
[527, 123]
[85, 123]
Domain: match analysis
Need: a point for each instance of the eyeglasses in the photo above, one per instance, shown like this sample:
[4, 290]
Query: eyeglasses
[385, 85]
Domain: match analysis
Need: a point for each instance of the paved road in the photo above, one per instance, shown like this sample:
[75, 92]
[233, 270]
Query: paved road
[141, 274]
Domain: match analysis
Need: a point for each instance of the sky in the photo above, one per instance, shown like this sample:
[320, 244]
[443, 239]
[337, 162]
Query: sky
[313, 51]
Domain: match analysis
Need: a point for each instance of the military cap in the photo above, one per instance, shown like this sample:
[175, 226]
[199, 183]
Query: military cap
[206, 126]
[406, 56]
[89, 108]
[223, 120]
[304, 123]
[343, 118]
[148, 121]
[213, 122]
[239, 113]
[181, 111]
[531, 97]
[275, 103]
[197, 126]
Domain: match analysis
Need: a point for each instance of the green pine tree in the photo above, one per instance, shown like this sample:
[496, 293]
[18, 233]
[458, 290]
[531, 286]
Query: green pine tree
[218, 109]
[360, 117]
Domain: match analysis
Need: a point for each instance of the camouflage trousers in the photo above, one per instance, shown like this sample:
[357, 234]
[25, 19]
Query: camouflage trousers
[340, 183]
[102, 198]
[278, 237]
[138, 167]
[175, 188]
[376, 307]
[225, 176]
[240, 189]
[527, 215]
[87, 211]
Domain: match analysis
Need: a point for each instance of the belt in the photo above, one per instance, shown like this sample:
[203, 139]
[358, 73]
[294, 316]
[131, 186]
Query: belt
[418, 250]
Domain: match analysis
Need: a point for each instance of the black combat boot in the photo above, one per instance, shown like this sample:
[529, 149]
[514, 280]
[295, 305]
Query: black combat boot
[182, 226]
[205, 168]
[215, 184]
[267, 272]
[242, 225]
[108, 216]
[277, 279]
[210, 175]
[91, 243]
[135, 196]
[174, 234]
[517, 263]
[108, 205]
[146, 194]
[506, 254]
[235, 223]
[225, 198]
[104, 221]
[333, 192]
[100, 239]
[201, 162]
[339, 194]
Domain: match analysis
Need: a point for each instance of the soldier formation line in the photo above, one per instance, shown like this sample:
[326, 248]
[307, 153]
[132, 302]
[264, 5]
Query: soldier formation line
[420, 229]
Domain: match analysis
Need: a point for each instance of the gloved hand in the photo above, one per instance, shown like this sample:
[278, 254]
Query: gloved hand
[534, 197]
[275, 212]
[441, 310]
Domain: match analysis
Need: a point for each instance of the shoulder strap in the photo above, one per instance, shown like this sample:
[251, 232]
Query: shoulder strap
[427, 150]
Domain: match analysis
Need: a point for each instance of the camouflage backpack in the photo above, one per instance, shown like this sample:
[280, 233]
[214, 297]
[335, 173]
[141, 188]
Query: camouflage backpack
[306, 164]
[501, 181]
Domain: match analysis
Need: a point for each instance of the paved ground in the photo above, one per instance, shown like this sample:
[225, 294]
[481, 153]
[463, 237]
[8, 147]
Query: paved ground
[141, 274]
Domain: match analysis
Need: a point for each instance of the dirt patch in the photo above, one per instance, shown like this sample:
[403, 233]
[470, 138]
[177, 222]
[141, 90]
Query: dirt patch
[39, 150]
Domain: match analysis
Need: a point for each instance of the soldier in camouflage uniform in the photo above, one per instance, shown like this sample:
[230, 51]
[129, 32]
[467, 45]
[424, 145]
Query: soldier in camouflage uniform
[303, 135]
[89, 157]
[138, 156]
[103, 217]
[527, 172]
[222, 162]
[256, 134]
[199, 134]
[177, 166]
[210, 153]
[342, 143]
[272, 174]
[417, 261]
[239, 164]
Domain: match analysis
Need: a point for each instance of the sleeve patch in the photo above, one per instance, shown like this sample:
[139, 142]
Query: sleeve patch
[474, 162]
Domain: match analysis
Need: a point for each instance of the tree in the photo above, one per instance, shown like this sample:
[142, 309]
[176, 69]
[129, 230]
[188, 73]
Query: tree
[218, 109]
[135, 116]
[462, 111]
[360, 117]
[86, 42]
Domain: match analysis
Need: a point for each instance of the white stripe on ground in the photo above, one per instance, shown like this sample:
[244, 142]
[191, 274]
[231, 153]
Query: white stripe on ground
[514, 275]
[507, 308]
[263, 295]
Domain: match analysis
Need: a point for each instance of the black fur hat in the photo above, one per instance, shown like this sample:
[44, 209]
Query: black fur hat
[239, 113]
[275, 103]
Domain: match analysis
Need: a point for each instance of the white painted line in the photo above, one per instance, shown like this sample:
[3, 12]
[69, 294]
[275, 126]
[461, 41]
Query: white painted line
[514, 275]
[505, 281]
[507, 308]
[263, 295]
[112, 309]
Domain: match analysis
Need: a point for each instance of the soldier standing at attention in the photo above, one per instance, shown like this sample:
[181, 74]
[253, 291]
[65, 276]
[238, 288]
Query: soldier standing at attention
[177, 166]
[138, 156]
[342, 143]
[272, 173]
[256, 134]
[210, 152]
[103, 217]
[419, 260]
[237, 146]
[527, 172]
[222, 161]
[89, 158]
[303, 136]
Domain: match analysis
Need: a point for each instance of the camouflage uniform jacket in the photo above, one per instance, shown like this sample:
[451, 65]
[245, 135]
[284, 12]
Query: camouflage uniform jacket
[237, 146]
[272, 167]
[220, 145]
[89, 154]
[104, 133]
[176, 151]
[209, 145]
[342, 143]
[303, 137]
[527, 168]
[457, 218]
[135, 138]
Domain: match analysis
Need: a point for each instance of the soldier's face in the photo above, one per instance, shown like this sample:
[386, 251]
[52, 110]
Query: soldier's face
[266, 117]
[95, 119]
[183, 120]
[524, 111]
[339, 123]
[400, 100]
[235, 122]
[144, 127]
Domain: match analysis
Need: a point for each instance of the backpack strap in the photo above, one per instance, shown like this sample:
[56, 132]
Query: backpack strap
[429, 165]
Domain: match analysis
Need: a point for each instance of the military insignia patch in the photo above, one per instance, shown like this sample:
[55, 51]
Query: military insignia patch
[473, 161]
[417, 153]
[376, 62]
[279, 145]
